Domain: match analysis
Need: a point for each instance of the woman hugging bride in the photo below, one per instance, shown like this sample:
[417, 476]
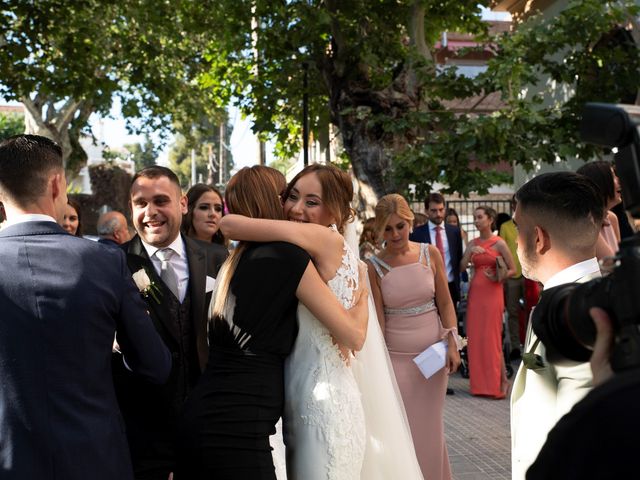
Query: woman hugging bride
[343, 415]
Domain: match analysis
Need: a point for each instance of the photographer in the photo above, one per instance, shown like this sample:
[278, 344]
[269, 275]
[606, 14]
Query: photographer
[598, 438]
[558, 216]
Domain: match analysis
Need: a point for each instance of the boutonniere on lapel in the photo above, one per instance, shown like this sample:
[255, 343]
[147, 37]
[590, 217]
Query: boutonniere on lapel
[146, 286]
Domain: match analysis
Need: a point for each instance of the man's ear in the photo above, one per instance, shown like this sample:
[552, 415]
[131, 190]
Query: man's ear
[184, 204]
[58, 186]
[543, 241]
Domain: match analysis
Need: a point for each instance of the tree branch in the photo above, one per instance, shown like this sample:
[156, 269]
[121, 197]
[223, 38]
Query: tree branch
[67, 112]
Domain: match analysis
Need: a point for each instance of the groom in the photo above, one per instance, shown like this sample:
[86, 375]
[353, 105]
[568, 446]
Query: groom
[62, 298]
[182, 271]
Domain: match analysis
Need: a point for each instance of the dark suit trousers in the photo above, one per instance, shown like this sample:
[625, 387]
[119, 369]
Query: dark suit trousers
[454, 290]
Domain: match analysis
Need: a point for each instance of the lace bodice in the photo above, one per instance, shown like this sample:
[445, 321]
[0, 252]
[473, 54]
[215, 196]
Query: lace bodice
[345, 282]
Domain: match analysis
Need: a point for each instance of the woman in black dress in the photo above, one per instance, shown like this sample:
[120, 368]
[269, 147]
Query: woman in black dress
[233, 410]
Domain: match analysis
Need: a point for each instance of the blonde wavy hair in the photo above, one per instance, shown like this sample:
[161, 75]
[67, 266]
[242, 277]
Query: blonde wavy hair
[387, 206]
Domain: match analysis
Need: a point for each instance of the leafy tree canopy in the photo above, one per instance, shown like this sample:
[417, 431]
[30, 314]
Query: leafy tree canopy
[372, 74]
[66, 59]
[11, 124]
[204, 139]
[143, 154]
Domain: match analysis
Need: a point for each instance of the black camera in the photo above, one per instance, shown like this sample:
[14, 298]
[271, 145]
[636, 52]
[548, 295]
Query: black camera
[561, 319]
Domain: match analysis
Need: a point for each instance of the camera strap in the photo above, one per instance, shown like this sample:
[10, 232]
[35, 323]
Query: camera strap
[532, 360]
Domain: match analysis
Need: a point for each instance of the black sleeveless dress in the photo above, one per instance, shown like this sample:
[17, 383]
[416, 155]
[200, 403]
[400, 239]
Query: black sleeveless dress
[232, 411]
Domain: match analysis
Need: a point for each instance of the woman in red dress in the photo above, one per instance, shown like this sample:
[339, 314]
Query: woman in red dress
[485, 307]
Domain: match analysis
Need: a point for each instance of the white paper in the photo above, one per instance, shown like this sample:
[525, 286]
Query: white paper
[432, 359]
[210, 285]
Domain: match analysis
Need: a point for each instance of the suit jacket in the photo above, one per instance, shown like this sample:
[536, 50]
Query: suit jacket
[539, 398]
[598, 438]
[421, 234]
[107, 242]
[62, 299]
[149, 409]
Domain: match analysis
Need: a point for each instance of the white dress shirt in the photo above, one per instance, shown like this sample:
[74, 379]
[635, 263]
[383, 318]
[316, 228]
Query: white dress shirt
[29, 217]
[445, 243]
[178, 262]
[574, 272]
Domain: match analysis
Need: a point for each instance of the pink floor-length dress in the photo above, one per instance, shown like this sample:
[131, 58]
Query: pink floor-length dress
[485, 307]
[407, 334]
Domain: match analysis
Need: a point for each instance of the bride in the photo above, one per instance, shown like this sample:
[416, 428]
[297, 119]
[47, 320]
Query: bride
[343, 417]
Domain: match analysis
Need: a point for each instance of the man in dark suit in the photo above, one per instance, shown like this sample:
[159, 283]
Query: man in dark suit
[183, 271]
[62, 299]
[449, 244]
[113, 229]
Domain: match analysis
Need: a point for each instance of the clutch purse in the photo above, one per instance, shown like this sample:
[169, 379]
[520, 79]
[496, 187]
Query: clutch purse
[501, 268]
[432, 359]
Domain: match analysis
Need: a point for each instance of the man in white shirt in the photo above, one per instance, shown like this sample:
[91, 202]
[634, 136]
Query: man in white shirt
[558, 216]
[445, 237]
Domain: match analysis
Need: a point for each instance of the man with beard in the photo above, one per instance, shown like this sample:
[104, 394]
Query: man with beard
[445, 237]
[558, 216]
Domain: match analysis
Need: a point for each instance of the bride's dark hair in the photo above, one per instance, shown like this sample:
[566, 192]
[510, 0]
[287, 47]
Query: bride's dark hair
[253, 192]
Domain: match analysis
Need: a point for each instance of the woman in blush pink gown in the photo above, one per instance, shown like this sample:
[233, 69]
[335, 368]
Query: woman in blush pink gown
[409, 287]
[485, 306]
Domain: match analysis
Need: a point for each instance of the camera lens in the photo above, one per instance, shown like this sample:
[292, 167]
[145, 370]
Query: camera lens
[561, 320]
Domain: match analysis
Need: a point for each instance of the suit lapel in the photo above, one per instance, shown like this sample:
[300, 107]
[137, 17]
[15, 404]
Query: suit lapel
[138, 258]
[427, 232]
[197, 286]
[451, 238]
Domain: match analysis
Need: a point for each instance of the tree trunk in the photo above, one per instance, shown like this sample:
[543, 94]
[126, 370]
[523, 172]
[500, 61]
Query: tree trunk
[369, 148]
[36, 124]
[62, 125]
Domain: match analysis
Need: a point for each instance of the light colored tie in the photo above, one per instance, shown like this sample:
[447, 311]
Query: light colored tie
[440, 243]
[167, 273]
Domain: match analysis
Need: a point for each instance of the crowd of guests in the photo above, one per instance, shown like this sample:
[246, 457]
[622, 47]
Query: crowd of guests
[201, 347]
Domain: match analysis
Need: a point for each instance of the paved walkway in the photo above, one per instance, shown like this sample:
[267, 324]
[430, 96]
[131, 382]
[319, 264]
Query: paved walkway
[477, 431]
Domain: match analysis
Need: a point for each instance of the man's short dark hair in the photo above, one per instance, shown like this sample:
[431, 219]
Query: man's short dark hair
[156, 171]
[565, 203]
[433, 198]
[26, 161]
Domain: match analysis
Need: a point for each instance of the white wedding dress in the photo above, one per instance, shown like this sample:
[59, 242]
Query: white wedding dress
[343, 421]
[324, 427]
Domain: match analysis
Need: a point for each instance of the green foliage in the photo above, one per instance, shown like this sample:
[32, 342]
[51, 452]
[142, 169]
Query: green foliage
[354, 45]
[545, 72]
[548, 69]
[374, 79]
[11, 124]
[204, 138]
[143, 154]
[147, 52]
